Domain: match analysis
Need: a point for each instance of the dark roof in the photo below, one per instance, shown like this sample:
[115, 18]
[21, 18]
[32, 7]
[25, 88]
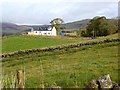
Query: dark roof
[41, 28]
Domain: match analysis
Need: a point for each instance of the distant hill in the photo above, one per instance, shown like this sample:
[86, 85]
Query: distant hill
[10, 28]
[83, 23]
[76, 25]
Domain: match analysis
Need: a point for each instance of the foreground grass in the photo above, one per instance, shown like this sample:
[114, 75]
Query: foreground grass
[15, 43]
[66, 68]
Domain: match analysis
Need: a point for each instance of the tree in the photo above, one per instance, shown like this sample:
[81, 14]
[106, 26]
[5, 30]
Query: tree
[56, 23]
[96, 24]
[99, 26]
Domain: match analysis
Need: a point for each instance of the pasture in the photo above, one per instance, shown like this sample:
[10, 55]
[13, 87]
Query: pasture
[16, 43]
[66, 68]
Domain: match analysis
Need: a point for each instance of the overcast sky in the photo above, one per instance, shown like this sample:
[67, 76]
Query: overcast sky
[42, 11]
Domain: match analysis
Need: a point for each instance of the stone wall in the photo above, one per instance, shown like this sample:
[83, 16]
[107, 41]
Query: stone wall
[30, 51]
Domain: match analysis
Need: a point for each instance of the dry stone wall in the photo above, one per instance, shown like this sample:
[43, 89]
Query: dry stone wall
[30, 51]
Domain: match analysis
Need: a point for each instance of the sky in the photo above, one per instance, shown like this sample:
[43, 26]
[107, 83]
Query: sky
[43, 11]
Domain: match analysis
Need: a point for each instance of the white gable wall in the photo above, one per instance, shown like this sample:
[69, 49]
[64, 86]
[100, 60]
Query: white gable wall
[54, 32]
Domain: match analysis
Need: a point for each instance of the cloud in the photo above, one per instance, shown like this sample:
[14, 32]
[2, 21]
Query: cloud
[41, 12]
[32, 1]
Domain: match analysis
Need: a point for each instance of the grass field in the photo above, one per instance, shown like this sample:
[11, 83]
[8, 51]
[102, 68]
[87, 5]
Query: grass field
[15, 43]
[65, 68]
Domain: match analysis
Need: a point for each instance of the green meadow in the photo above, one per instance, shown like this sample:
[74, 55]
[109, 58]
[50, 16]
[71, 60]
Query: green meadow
[66, 68]
[72, 67]
[16, 43]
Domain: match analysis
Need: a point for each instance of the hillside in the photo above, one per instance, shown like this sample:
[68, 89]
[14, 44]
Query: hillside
[11, 28]
[76, 25]
[83, 23]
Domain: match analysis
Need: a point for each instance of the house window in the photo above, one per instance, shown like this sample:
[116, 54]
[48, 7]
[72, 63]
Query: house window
[48, 33]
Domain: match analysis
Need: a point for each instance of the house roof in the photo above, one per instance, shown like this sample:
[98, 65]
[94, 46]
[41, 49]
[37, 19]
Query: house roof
[42, 28]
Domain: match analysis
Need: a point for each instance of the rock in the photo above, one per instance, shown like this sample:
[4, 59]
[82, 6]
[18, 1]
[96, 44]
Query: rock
[105, 81]
[92, 84]
[54, 88]
[116, 87]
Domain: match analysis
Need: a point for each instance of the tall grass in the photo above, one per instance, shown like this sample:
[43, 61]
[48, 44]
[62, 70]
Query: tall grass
[9, 81]
[66, 68]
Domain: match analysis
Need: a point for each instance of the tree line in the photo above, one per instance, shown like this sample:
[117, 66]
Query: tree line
[99, 26]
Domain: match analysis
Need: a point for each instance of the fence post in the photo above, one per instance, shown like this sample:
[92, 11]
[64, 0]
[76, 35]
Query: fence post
[20, 77]
[1, 84]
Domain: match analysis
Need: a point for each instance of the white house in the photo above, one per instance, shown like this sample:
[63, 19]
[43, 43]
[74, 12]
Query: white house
[45, 30]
